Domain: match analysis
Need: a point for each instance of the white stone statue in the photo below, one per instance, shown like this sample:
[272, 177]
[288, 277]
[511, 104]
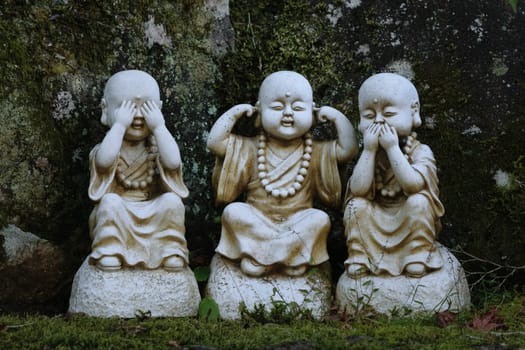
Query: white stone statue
[392, 214]
[136, 181]
[276, 230]
[281, 171]
[139, 258]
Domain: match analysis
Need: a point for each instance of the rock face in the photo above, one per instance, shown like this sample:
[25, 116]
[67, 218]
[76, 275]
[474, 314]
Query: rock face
[127, 292]
[31, 269]
[445, 289]
[229, 287]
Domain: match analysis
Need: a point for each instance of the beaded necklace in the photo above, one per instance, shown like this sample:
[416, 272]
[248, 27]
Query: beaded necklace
[393, 188]
[125, 173]
[262, 167]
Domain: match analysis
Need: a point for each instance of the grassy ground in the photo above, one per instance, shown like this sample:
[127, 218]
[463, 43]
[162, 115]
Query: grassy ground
[486, 327]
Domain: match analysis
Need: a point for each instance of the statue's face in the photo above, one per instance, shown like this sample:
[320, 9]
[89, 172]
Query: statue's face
[139, 94]
[386, 102]
[286, 107]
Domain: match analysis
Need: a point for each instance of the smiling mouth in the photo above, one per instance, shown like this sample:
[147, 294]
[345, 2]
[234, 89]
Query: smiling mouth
[287, 122]
[137, 123]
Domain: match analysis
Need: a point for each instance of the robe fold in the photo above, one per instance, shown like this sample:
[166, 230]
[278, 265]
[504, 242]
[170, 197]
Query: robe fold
[140, 226]
[384, 234]
[269, 230]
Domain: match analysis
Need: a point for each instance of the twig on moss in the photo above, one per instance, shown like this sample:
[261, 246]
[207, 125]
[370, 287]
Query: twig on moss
[493, 271]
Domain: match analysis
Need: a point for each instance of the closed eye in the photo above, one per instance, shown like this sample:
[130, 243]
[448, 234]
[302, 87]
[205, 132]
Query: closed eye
[277, 106]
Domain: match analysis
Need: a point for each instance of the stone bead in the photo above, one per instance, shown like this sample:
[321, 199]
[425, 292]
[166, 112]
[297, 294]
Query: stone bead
[143, 184]
[260, 152]
[276, 193]
[262, 174]
[291, 191]
[265, 182]
[283, 193]
[305, 164]
[303, 171]
[299, 178]
[268, 188]
[306, 156]
[261, 159]
[308, 149]
[261, 167]
[297, 186]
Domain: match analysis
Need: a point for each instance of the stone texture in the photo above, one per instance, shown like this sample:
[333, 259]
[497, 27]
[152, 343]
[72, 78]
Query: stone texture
[127, 291]
[445, 289]
[31, 268]
[229, 287]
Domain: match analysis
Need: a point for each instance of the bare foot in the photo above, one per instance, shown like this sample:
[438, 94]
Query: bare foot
[173, 263]
[109, 263]
[295, 271]
[356, 271]
[251, 268]
[415, 270]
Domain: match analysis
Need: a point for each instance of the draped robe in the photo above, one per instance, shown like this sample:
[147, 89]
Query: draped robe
[270, 230]
[140, 226]
[385, 234]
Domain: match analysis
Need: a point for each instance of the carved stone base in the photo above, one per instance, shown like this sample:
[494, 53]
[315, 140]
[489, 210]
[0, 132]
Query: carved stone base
[123, 292]
[229, 287]
[445, 289]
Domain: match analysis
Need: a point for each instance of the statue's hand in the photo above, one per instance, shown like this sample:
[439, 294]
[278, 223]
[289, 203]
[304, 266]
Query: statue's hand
[388, 137]
[152, 115]
[326, 113]
[124, 114]
[241, 110]
[371, 137]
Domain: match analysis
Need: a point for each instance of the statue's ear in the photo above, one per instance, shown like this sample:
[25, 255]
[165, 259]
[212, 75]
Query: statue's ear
[416, 117]
[104, 119]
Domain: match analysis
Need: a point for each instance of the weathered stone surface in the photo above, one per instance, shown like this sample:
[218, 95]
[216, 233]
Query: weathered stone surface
[127, 291]
[445, 289]
[229, 287]
[31, 268]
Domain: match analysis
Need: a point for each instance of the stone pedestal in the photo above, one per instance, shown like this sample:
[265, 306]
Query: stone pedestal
[444, 289]
[230, 287]
[124, 292]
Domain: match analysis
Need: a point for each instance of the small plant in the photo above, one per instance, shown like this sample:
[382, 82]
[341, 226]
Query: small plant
[208, 310]
[281, 312]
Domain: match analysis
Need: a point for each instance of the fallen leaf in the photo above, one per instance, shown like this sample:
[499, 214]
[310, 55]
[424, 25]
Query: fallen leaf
[488, 321]
[446, 318]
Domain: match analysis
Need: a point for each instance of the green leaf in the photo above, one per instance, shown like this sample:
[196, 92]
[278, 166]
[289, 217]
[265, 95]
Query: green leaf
[514, 5]
[208, 310]
[202, 273]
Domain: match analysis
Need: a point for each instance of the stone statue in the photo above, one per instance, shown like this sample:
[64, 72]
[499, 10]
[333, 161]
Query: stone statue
[276, 230]
[392, 214]
[393, 210]
[139, 258]
[281, 171]
[136, 181]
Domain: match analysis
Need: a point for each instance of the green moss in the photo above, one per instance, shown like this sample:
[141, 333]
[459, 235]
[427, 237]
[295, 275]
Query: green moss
[373, 332]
